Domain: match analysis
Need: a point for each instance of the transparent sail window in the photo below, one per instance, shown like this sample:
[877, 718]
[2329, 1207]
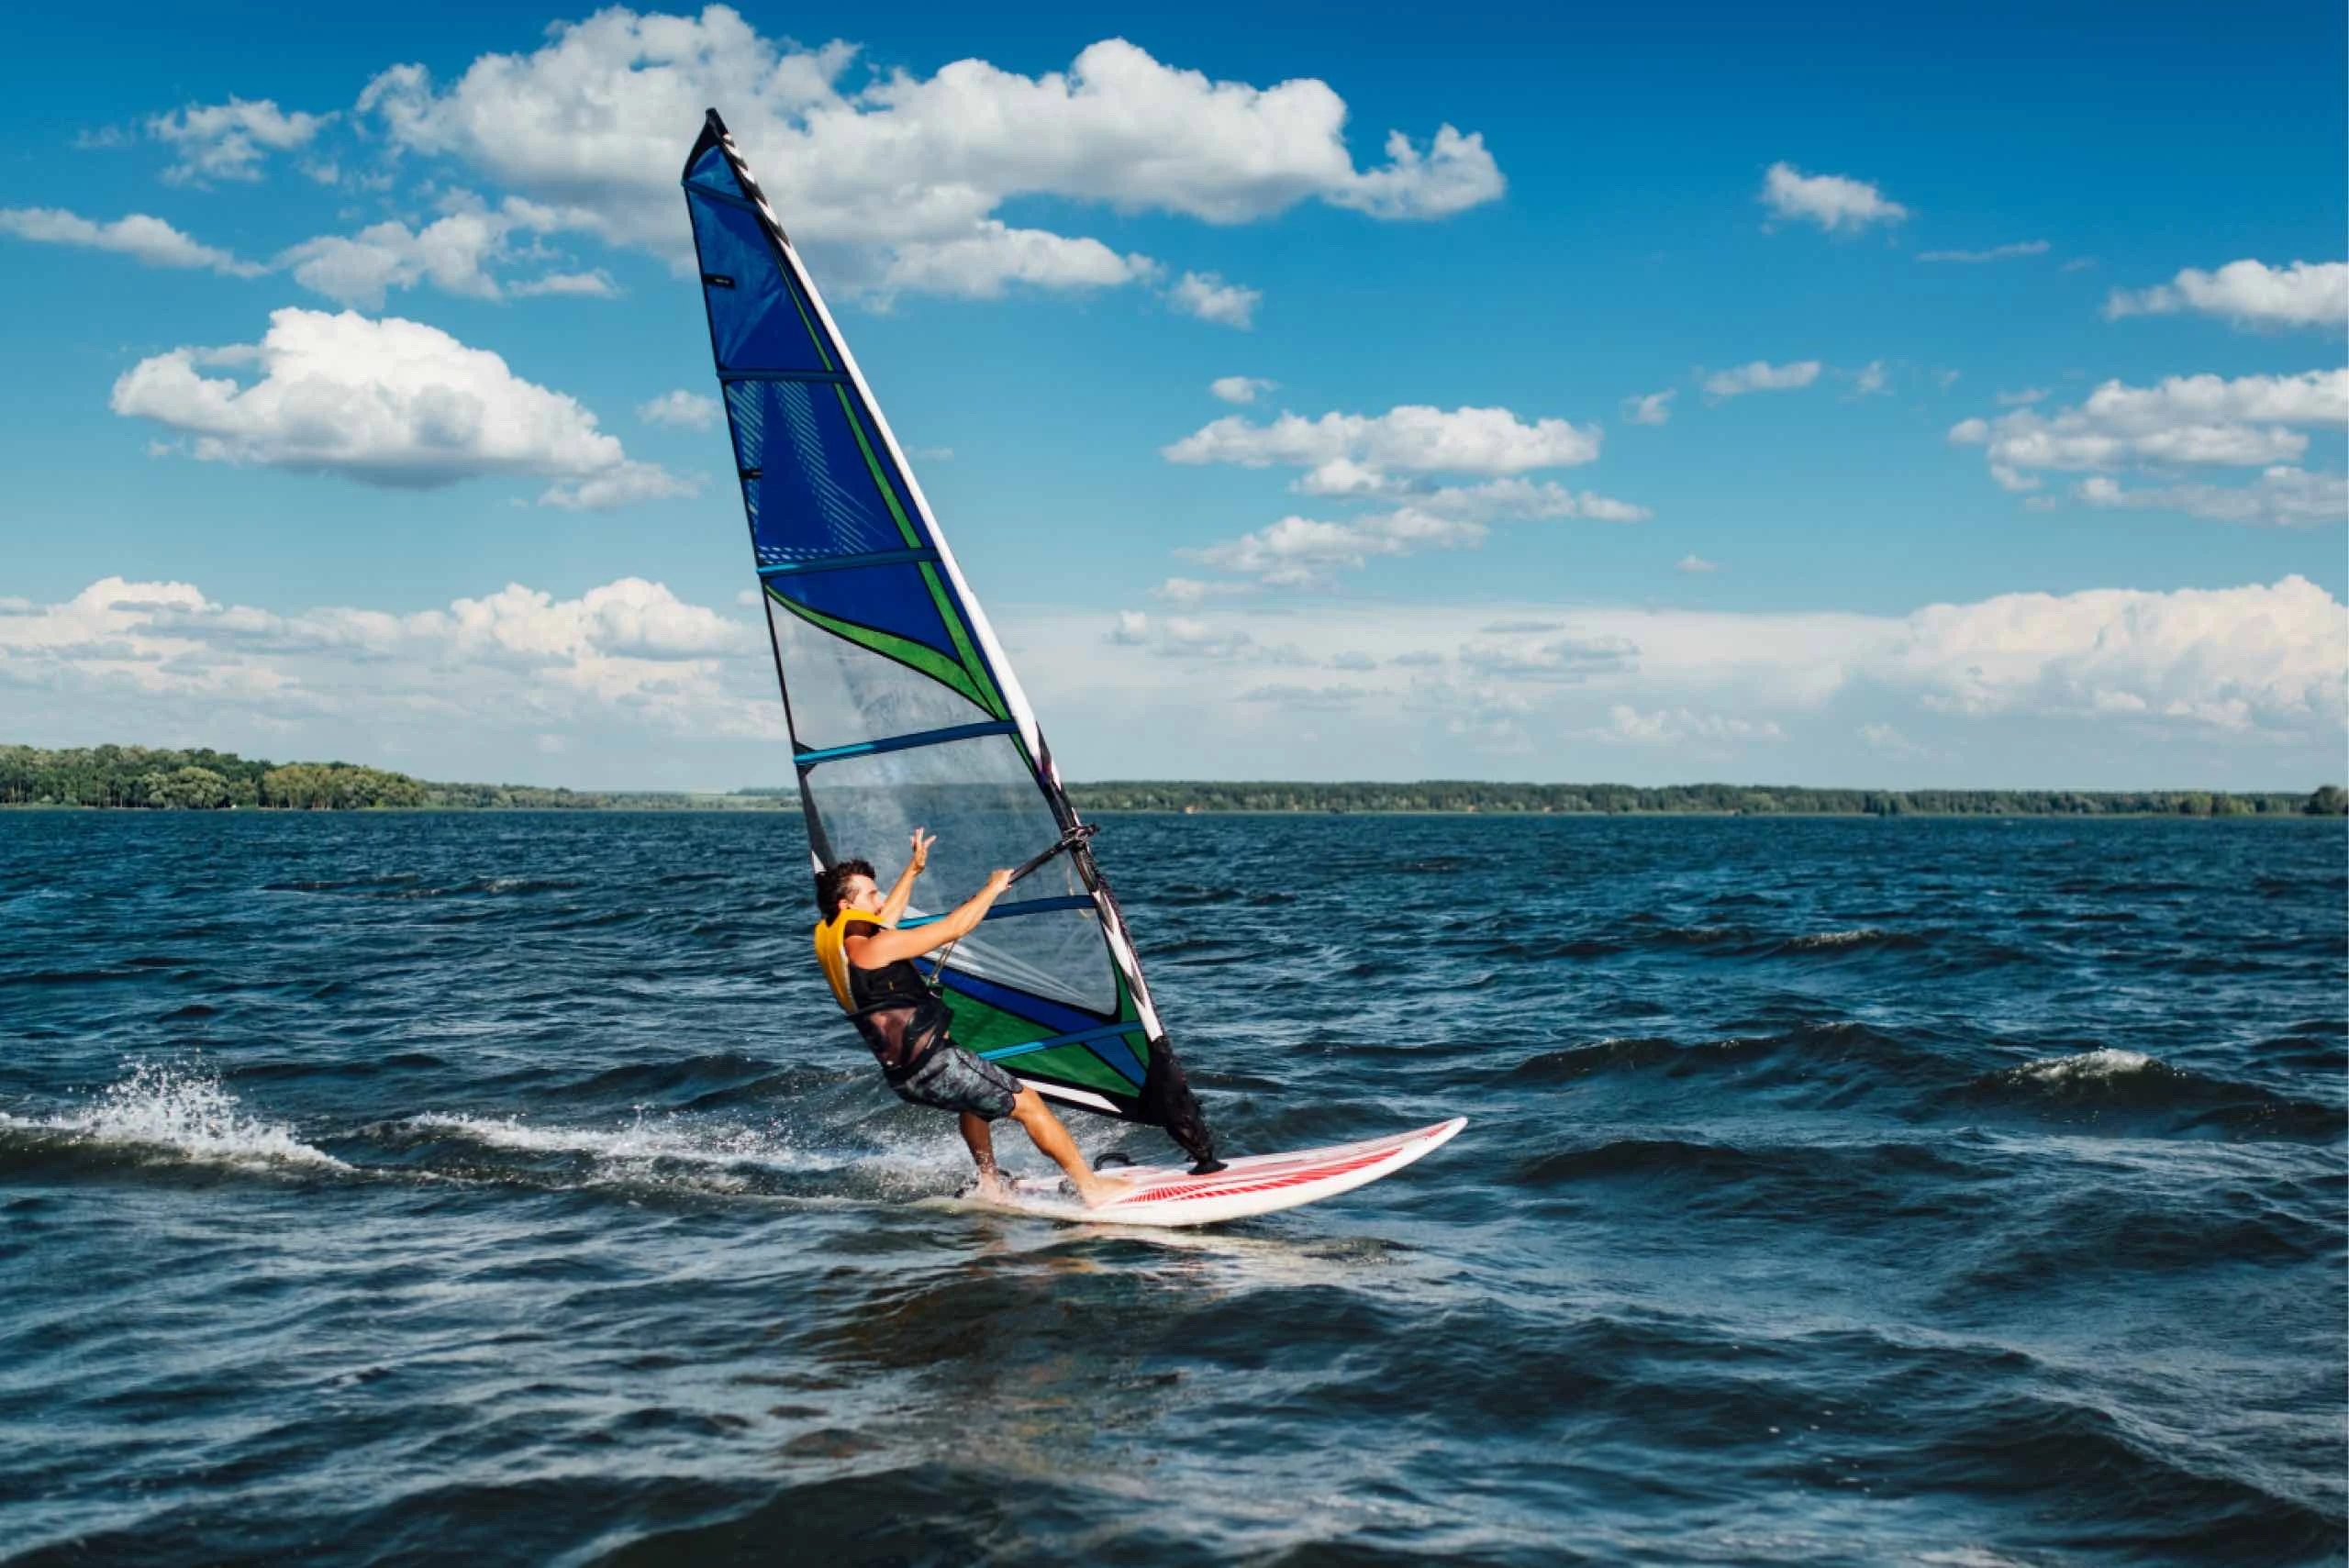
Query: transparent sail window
[842, 693]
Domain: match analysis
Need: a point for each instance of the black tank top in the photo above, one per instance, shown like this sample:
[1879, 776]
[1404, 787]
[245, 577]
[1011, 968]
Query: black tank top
[896, 1012]
[891, 986]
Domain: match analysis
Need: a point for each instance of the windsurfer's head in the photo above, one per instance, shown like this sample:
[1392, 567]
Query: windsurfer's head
[848, 882]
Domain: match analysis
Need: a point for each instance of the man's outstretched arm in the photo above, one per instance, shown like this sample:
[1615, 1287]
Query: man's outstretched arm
[887, 946]
[893, 907]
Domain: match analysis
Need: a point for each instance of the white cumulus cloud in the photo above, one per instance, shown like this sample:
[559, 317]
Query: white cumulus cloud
[594, 284]
[1501, 499]
[1389, 458]
[1241, 388]
[883, 168]
[229, 141]
[1306, 552]
[1180, 637]
[2232, 658]
[1650, 408]
[2247, 294]
[360, 268]
[1831, 200]
[1208, 298]
[454, 252]
[1762, 377]
[2282, 496]
[1530, 654]
[629, 659]
[981, 263]
[139, 237]
[691, 409]
[2104, 687]
[2256, 421]
[1995, 254]
[1411, 437]
[385, 402]
[1301, 552]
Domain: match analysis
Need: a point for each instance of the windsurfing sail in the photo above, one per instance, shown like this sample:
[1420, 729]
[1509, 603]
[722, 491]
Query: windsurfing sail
[903, 710]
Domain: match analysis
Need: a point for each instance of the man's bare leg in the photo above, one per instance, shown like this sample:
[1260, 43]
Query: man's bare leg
[981, 1137]
[1031, 1113]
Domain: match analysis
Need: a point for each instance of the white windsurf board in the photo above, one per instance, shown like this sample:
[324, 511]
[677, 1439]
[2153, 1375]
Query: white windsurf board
[1251, 1184]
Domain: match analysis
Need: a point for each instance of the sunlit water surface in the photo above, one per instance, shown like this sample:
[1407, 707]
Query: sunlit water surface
[505, 1189]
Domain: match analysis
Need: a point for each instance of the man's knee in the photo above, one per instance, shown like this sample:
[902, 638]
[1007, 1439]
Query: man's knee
[1032, 1111]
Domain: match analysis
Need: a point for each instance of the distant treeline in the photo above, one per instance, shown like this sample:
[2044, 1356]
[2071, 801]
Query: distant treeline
[202, 780]
[1731, 799]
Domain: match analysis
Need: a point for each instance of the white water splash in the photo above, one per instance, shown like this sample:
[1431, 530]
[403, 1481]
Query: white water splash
[2104, 1063]
[181, 1110]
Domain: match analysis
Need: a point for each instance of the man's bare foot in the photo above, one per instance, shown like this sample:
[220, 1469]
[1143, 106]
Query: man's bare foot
[1098, 1190]
[990, 1188]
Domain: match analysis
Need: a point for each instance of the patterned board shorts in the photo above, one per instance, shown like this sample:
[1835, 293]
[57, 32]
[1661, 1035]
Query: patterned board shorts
[952, 1079]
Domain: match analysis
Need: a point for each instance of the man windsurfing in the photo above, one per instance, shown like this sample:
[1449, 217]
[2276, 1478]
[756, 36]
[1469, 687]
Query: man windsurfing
[870, 964]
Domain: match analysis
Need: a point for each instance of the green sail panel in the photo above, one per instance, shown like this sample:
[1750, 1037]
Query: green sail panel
[904, 711]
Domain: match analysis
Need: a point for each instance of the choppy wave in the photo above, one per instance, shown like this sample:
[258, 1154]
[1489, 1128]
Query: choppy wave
[2129, 1091]
[1812, 1063]
[410, 885]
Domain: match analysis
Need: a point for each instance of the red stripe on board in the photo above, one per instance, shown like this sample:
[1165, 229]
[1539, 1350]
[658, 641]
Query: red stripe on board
[1287, 1175]
[1276, 1165]
[1213, 1188]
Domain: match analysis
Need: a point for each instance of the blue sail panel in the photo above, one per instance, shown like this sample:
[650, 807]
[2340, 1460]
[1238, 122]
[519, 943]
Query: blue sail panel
[710, 170]
[812, 481]
[757, 320]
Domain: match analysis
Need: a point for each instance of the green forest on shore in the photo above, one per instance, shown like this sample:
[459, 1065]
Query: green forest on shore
[138, 777]
[141, 778]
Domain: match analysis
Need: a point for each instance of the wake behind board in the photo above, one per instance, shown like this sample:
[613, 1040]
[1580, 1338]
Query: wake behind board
[1251, 1184]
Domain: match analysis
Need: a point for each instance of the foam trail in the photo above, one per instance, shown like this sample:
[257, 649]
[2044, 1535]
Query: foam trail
[721, 1152]
[183, 1109]
[647, 1138]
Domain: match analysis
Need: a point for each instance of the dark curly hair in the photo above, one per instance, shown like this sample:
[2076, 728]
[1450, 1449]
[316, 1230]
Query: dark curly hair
[833, 878]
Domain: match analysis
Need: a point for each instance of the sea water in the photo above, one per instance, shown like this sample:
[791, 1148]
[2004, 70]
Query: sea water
[505, 1189]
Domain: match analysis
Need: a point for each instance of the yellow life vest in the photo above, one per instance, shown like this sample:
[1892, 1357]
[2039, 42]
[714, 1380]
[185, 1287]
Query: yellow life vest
[832, 951]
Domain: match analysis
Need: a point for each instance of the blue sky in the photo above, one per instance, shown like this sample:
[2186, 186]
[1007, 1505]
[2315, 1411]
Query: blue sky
[2004, 355]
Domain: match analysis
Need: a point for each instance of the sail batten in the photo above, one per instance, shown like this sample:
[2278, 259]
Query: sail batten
[904, 710]
[906, 742]
[729, 377]
[843, 563]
